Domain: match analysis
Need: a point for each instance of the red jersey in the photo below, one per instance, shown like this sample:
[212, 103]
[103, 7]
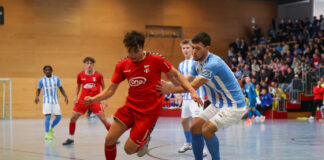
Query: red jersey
[318, 93]
[90, 84]
[143, 77]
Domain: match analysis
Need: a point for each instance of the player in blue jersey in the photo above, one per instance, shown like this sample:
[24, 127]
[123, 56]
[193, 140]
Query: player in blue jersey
[190, 108]
[49, 83]
[251, 94]
[227, 100]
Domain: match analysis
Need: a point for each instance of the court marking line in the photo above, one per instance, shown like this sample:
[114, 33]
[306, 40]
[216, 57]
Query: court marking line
[39, 153]
[156, 157]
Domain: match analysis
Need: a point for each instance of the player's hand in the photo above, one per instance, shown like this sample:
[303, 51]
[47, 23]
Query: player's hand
[194, 95]
[36, 100]
[163, 87]
[104, 104]
[88, 100]
[75, 100]
[66, 100]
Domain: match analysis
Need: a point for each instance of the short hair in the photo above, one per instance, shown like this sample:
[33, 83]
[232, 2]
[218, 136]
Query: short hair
[87, 59]
[47, 66]
[202, 37]
[134, 39]
[185, 41]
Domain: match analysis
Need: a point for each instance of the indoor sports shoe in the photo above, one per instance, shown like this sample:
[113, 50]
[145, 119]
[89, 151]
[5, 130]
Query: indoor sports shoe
[248, 122]
[205, 153]
[68, 142]
[51, 132]
[48, 136]
[142, 151]
[185, 147]
[262, 119]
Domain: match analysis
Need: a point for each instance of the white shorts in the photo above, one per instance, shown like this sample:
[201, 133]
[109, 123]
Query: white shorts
[190, 109]
[51, 109]
[222, 117]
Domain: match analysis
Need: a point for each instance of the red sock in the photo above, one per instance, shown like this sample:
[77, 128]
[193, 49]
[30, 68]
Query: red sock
[72, 128]
[108, 126]
[110, 152]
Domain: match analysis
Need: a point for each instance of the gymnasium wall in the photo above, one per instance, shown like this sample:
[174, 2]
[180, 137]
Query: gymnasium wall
[62, 32]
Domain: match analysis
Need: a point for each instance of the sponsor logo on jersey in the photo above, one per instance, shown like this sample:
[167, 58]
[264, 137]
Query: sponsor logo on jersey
[94, 78]
[89, 85]
[127, 70]
[146, 68]
[207, 73]
[136, 81]
[83, 79]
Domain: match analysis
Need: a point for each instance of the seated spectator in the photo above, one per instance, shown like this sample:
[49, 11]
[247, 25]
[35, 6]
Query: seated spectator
[278, 95]
[255, 66]
[266, 102]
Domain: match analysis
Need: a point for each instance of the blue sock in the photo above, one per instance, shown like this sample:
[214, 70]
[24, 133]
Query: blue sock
[213, 147]
[257, 113]
[47, 122]
[56, 120]
[198, 146]
[250, 113]
[188, 136]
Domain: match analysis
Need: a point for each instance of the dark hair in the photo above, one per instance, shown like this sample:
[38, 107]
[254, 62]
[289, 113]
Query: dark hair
[202, 37]
[134, 40]
[47, 66]
[86, 59]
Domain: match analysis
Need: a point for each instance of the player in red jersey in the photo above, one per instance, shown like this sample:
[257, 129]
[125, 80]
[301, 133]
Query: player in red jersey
[143, 104]
[91, 82]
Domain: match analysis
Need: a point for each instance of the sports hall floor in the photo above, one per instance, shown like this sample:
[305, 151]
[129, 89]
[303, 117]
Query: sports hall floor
[23, 139]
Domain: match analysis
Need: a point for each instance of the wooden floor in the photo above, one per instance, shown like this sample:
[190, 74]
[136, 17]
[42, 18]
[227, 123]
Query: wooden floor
[23, 139]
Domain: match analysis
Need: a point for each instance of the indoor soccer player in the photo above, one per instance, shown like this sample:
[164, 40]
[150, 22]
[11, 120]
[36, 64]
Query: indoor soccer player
[90, 81]
[143, 71]
[49, 83]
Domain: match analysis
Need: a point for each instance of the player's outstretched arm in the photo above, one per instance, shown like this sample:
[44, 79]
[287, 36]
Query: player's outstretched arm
[64, 94]
[105, 94]
[185, 86]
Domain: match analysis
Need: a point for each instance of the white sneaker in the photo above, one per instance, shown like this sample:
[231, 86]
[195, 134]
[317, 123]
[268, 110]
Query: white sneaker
[205, 152]
[144, 149]
[185, 147]
[311, 118]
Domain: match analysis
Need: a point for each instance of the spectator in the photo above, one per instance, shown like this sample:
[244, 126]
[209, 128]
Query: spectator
[266, 102]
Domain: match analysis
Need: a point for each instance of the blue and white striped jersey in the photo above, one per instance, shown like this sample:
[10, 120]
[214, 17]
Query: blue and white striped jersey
[222, 88]
[49, 86]
[185, 69]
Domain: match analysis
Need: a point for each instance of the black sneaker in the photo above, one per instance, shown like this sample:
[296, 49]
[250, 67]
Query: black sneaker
[68, 142]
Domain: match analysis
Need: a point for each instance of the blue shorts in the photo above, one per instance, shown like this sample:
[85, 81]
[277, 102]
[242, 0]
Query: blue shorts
[252, 104]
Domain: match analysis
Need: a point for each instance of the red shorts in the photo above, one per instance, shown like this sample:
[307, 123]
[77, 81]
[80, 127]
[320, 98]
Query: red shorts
[95, 108]
[141, 124]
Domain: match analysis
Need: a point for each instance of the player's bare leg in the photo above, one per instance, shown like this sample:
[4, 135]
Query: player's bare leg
[211, 139]
[197, 137]
[116, 130]
[75, 116]
[103, 119]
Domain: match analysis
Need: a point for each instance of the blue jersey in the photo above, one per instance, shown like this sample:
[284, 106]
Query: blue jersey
[222, 88]
[49, 86]
[251, 94]
[185, 69]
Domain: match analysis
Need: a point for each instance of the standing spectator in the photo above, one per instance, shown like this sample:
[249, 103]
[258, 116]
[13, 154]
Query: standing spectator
[318, 91]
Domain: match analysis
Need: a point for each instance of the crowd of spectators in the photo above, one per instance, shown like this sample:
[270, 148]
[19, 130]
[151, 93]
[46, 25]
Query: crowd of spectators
[273, 61]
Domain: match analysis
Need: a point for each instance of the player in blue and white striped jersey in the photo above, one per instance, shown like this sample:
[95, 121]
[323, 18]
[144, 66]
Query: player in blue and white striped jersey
[49, 83]
[228, 104]
[190, 108]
